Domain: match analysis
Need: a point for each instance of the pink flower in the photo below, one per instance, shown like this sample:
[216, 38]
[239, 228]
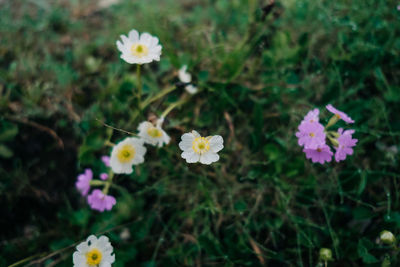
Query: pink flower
[83, 182]
[312, 116]
[311, 135]
[106, 160]
[103, 176]
[345, 144]
[339, 114]
[321, 154]
[98, 201]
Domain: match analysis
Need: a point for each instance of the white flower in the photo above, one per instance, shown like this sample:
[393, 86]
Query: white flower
[126, 153]
[94, 253]
[186, 77]
[204, 149]
[153, 135]
[141, 49]
[191, 89]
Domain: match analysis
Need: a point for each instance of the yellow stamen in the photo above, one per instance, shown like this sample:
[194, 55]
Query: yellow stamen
[319, 149]
[93, 257]
[312, 134]
[154, 132]
[139, 50]
[338, 116]
[201, 145]
[126, 153]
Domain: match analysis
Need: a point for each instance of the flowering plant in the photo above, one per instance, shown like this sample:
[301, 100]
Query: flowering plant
[313, 136]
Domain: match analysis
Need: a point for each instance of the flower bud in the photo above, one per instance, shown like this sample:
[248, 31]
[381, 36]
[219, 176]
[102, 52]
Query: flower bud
[325, 254]
[387, 237]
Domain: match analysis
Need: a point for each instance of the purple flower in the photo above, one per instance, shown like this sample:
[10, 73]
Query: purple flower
[339, 114]
[321, 154]
[98, 201]
[103, 176]
[83, 182]
[312, 116]
[106, 160]
[345, 144]
[311, 135]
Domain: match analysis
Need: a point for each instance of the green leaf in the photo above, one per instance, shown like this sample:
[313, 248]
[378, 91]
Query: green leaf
[5, 152]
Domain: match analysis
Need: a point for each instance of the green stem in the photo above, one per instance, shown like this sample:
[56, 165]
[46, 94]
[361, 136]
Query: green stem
[97, 182]
[108, 143]
[172, 106]
[27, 259]
[149, 100]
[108, 183]
[139, 84]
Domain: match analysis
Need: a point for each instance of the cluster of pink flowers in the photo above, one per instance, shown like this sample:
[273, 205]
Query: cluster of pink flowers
[312, 136]
[97, 200]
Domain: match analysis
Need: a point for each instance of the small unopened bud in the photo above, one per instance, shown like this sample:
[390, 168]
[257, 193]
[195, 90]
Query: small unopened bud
[325, 254]
[387, 237]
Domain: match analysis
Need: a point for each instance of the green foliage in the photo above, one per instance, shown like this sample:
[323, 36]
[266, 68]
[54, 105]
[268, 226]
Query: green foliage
[263, 202]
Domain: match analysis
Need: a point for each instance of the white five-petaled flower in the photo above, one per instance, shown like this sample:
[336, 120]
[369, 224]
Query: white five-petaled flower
[153, 135]
[186, 77]
[126, 153]
[139, 49]
[204, 149]
[94, 253]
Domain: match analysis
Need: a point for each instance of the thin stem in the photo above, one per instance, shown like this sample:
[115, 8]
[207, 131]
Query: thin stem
[114, 128]
[139, 84]
[108, 183]
[27, 259]
[172, 106]
[164, 92]
[97, 182]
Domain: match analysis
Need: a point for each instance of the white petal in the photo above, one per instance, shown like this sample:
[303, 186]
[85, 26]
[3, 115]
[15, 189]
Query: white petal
[209, 157]
[190, 156]
[79, 260]
[120, 46]
[83, 247]
[134, 35]
[153, 41]
[91, 240]
[125, 40]
[184, 76]
[143, 126]
[159, 122]
[187, 141]
[166, 138]
[145, 38]
[196, 134]
[118, 167]
[103, 242]
[104, 264]
[191, 89]
[216, 143]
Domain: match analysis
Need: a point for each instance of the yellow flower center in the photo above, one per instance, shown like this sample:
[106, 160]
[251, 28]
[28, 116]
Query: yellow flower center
[337, 115]
[154, 132]
[93, 257]
[319, 149]
[201, 145]
[312, 134]
[139, 50]
[126, 153]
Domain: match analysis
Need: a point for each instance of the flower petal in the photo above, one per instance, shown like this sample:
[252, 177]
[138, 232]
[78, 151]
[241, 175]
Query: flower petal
[216, 143]
[209, 157]
[190, 156]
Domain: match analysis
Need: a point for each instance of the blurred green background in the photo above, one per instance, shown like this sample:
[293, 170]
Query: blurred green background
[260, 65]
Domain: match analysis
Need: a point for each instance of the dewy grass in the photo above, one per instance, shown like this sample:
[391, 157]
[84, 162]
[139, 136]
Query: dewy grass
[258, 68]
